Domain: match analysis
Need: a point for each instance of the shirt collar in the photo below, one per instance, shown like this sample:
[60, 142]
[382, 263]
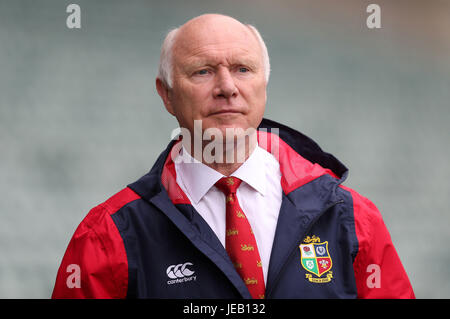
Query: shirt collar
[198, 178]
[252, 171]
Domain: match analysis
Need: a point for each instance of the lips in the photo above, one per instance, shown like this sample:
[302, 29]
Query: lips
[226, 111]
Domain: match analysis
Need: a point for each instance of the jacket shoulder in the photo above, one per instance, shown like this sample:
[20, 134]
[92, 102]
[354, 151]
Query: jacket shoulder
[365, 212]
[379, 272]
[95, 263]
[110, 206]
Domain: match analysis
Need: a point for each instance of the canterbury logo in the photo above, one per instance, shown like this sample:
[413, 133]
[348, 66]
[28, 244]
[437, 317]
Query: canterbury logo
[179, 271]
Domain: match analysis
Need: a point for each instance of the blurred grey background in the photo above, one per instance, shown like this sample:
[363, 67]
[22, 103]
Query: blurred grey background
[80, 117]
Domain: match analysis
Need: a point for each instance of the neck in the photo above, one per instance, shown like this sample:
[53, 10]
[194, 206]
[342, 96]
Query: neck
[231, 163]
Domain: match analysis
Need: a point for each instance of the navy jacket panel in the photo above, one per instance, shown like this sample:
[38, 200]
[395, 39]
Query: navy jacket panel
[154, 243]
[329, 219]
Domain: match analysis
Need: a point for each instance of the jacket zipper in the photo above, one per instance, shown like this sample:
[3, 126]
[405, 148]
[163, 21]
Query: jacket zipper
[293, 249]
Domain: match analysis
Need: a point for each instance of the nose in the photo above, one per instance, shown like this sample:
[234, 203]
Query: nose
[225, 86]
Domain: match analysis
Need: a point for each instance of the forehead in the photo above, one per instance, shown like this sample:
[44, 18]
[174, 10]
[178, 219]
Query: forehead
[215, 43]
[209, 55]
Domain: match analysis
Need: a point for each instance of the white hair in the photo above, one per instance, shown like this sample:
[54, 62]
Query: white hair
[166, 59]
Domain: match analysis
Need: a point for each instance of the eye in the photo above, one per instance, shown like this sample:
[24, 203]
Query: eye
[243, 69]
[202, 72]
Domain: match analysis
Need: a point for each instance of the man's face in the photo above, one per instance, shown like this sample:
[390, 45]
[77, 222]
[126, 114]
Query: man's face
[218, 76]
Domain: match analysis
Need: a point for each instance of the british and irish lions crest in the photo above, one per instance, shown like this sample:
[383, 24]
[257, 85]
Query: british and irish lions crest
[316, 259]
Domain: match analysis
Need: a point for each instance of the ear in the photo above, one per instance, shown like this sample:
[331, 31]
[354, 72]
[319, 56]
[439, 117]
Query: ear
[164, 93]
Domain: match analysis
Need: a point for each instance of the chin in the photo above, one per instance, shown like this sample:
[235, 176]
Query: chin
[231, 127]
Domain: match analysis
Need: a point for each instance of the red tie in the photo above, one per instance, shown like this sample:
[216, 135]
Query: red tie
[240, 241]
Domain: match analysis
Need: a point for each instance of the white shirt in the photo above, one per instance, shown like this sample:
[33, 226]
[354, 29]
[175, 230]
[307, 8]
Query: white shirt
[259, 196]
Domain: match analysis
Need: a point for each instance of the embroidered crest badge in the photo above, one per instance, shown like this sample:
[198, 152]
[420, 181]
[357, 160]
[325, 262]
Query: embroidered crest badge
[316, 259]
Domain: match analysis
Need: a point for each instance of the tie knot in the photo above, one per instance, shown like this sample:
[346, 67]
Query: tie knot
[228, 185]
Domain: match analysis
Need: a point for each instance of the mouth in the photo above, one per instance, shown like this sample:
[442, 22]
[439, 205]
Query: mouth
[226, 112]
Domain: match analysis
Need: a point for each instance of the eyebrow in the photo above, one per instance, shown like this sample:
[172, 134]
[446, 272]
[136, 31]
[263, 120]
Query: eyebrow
[200, 62]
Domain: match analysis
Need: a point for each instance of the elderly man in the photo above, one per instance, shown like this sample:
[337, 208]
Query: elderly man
[274, 222]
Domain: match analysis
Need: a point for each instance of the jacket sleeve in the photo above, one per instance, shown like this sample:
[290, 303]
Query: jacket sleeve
[94, 264]
[378, 270]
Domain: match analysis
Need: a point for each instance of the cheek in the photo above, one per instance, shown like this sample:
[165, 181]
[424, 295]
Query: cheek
[256, 96]
[257, 104]
[199, 98]
[190, 101]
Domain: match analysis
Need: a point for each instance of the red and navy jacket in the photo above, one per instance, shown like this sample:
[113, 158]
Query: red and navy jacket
[147, 241]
